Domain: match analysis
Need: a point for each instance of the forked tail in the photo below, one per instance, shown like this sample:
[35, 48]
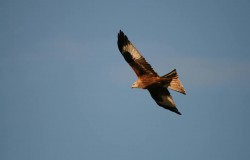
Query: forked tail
[174, 82]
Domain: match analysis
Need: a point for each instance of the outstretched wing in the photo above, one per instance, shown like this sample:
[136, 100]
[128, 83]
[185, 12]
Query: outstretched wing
[163, 98]
[133, 57]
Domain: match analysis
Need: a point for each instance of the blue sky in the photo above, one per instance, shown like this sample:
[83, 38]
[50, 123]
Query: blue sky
[65, 88]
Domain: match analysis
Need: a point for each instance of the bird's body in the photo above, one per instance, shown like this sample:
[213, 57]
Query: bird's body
[148, 78]
[147, 83]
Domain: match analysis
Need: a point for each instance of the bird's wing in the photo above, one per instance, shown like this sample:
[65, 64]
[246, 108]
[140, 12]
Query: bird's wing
[133, 57]
[163, 98]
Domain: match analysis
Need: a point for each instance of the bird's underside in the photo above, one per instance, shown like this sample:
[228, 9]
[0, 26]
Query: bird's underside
[148, 78]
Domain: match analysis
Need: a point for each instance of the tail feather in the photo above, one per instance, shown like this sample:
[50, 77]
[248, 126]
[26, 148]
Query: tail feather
[174, 82]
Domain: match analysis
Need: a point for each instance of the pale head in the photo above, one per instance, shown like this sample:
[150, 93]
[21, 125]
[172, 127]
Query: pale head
[136, 84]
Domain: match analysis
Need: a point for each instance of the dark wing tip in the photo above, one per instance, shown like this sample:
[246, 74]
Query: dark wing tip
[171, 108]
[178, 113]
[175, 110]
[122, 40]
[120, 32]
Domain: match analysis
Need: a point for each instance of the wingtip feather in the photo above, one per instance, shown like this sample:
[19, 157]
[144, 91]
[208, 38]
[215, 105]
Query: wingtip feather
[122, 41]
[178, 113]
[175, 110]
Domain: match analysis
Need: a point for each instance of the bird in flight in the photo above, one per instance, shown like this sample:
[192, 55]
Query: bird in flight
[147, 78]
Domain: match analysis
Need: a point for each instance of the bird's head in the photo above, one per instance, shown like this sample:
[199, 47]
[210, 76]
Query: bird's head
[135, 85]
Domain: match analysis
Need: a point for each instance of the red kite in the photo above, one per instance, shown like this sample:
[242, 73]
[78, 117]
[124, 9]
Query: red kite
[148, 78]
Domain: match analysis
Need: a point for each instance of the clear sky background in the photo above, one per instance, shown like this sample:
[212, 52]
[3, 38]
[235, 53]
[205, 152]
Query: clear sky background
[65, 88]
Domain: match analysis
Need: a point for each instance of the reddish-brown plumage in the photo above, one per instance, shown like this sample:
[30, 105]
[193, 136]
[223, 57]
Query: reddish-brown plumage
[148, 78]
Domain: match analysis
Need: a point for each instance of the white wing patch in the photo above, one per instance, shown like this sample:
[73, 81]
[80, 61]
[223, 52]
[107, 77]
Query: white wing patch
[133, 51]
[167, 101]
